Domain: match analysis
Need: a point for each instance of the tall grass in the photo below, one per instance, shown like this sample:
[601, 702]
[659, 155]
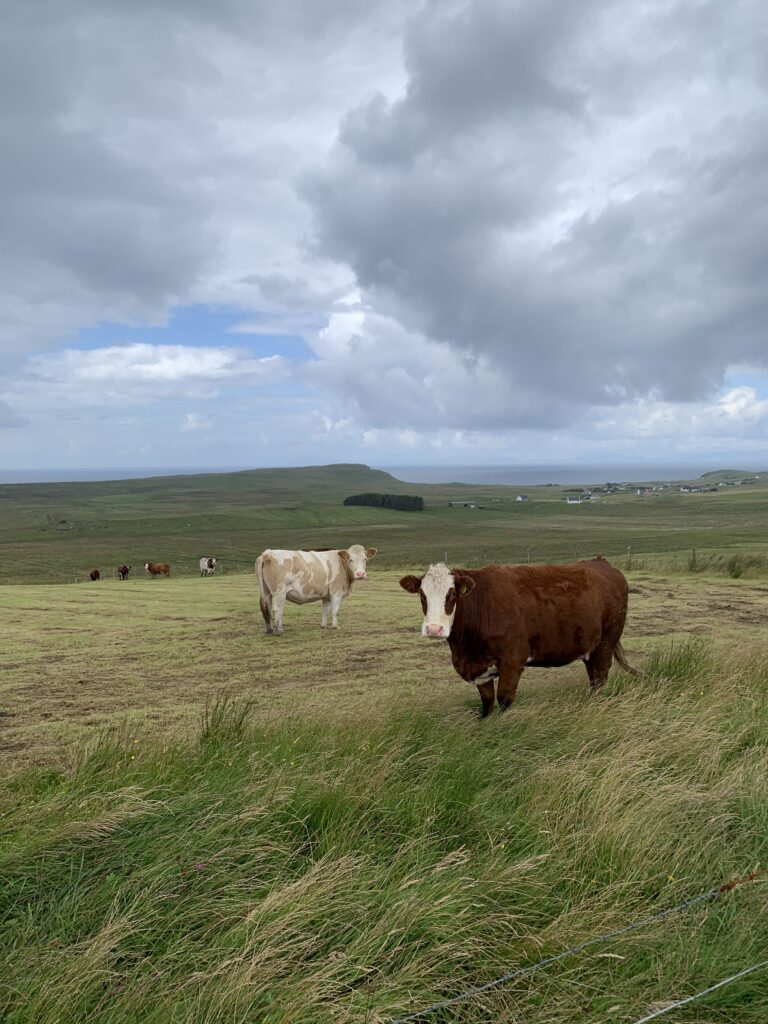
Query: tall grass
[735, 564]
[683, 660]
[303, 873]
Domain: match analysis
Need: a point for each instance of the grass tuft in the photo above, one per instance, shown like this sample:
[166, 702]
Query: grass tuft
[224, 719]
[682, 660]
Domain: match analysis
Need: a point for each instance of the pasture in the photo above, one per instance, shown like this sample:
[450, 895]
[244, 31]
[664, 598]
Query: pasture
[57, 533]
[204, 823]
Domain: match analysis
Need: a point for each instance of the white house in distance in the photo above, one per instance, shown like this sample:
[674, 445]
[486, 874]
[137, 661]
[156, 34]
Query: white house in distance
[522, 497]
[578, 499]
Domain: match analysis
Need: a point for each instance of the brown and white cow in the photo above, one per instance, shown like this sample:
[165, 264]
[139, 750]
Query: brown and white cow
[123, 570]
[157, 569]
[207, 566]
[499, 619]
[95, 574]
[300, 577]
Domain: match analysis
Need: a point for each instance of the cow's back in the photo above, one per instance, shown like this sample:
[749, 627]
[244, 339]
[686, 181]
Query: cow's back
[595, 587]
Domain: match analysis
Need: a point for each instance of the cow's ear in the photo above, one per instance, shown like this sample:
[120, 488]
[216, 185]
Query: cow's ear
[370, 552]
[344, 555]
[411, 583]
[464, 585]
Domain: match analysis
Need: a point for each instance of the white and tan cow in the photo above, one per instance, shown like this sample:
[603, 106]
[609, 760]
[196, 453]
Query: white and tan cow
[304, 576]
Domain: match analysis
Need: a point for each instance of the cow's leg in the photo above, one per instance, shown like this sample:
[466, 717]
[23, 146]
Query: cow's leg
[599, 665]
[336, 600]
[487, 693]
[326, 609]
[265, 603]
[486, 687]
[278, 603]
[509, 677]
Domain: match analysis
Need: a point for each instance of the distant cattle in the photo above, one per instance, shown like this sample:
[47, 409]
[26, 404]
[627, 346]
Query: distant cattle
[122, 571]
[207, 566]
[95, 574]
[157, 569]
[499, 619]
[300, 577]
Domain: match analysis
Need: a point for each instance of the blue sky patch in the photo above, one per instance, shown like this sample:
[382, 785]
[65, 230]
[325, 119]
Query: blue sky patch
[750, 379]
[199, 326]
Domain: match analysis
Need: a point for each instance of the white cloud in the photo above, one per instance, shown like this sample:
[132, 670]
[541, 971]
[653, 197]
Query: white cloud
[194, 422]
[138, 373]
[144, 362]
[742, 406]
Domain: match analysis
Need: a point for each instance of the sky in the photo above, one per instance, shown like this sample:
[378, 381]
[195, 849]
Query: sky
[404, 231]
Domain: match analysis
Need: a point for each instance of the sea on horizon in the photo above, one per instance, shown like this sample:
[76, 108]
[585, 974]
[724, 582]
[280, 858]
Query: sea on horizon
[502, 475]
[534, 475]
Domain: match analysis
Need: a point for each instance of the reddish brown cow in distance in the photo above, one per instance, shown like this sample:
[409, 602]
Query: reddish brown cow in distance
[157, 569]
[95, 574]
[501, 618]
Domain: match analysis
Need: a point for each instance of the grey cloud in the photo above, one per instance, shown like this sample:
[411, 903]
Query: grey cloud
[88, 230]
[591, 257]
[292, 292]
[292, 18]
[471, 66]
[144, 144]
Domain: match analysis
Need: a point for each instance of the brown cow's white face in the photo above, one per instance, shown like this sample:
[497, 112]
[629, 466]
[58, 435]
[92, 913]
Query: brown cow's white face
[357, 559]
[439, 591]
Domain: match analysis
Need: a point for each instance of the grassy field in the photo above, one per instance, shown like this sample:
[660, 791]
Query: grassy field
[202, 823]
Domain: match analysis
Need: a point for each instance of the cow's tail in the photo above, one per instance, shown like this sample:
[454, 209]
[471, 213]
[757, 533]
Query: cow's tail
[264, 593]
[621, 661]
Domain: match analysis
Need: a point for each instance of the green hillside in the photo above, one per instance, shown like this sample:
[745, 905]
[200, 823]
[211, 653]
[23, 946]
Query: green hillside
[59, 532]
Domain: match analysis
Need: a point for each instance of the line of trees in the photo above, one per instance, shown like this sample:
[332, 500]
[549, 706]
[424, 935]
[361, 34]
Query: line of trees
[401, 502]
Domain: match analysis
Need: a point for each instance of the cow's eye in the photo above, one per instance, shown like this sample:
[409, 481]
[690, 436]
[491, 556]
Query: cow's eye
[423, 597]
[450, 600]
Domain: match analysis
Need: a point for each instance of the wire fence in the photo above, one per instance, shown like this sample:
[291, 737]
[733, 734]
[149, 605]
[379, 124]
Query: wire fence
[704, 992]
[705, 897]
